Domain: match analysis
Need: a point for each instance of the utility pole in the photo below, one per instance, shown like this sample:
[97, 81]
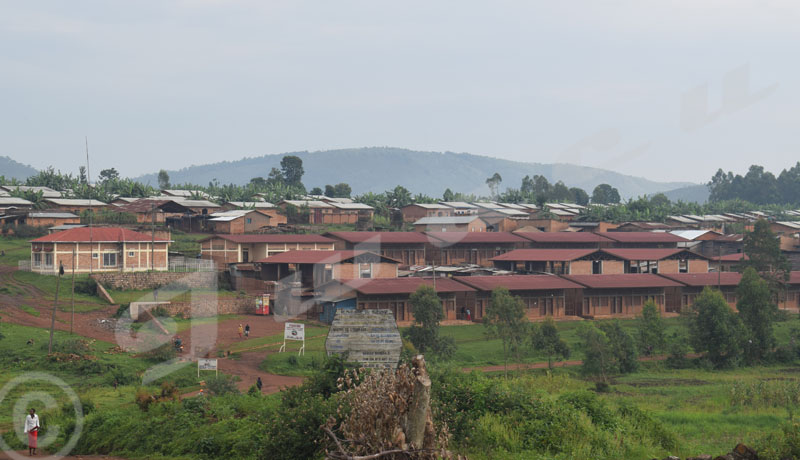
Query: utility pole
[153, 237]
[72, 319]
[55, 305]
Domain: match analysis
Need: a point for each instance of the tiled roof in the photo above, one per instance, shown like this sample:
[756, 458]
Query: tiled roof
[628, 280]
[273, 238]
[97, 235]
[518, 282]
[563, 237]
[705, 279]
[448, 238]
[318, 257]
[649, 253]
[544, 255]
[643, 237]
[380, 237]
[380, 286]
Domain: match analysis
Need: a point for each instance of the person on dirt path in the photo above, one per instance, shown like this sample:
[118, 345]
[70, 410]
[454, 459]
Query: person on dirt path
[259, 384]
[32, 428]
[241, 330]
[247, 330]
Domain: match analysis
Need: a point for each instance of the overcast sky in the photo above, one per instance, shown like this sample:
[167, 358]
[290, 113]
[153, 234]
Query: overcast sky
[665, 90]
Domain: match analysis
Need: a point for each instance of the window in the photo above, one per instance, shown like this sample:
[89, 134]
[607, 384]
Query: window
[94, 255]
[37, 260]
[130, 254]
[683, 266]
[48, 260]
[365, 271]
[110, 259]
[248, 220]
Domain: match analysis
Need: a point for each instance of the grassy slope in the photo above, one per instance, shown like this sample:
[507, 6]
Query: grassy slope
[16, 249]
[48, 284]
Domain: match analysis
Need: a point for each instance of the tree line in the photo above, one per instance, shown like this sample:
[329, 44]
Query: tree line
[757, 186]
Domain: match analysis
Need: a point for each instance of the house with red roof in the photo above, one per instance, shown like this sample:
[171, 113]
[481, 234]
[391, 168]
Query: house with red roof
[622, 239]
[560, 261]
[230, 249]
[405, 247]
[619, 295]
[393, 294]
[564, 240]
[543, 295]
[99, 249]
[477, 248]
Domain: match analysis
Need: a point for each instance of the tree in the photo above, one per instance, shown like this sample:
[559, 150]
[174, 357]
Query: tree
[275, 177]
[757, 312]
[317, 191]
[579, 196]
[448, 195]
[424, 333]
[163, 179]
[607, 349]
[292, 169]
[398, 197]
[546, 342]
[505, 319]
[652, 331]
[605, 194]
[340, 190]
[494, 182]
[714, 329]
[109, 174]
[82, 174]
[764, 253]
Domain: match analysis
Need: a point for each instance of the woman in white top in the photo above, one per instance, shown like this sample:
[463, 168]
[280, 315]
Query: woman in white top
[32, 428]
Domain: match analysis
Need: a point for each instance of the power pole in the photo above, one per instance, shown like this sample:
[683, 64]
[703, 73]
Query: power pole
[55, 305]
[72, 319]
[153, 237]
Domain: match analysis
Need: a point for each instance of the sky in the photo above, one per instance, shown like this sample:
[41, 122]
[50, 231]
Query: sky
[670, 91]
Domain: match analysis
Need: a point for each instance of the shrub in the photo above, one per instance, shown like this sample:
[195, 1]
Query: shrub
[164, 352]
[784, 443]
[86, 286]
[221, 385]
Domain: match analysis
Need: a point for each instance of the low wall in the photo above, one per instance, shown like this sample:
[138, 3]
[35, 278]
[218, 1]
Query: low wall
[209, 306]
[152, 280]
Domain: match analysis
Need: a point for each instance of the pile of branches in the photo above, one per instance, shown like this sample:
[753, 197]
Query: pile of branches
[388, 417]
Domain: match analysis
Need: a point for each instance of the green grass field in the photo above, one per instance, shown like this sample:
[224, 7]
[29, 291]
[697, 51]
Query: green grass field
[146, 295]
[15, 249]
[48, 284]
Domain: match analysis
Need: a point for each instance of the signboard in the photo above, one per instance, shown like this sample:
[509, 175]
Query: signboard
[294, 331]
[369, 337]
[206, 364]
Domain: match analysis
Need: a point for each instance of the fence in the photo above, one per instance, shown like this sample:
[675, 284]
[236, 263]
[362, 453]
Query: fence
[182, 264]
[24, 265]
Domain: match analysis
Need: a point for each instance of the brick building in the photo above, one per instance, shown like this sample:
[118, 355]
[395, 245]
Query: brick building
[99, 249]
[405, 247]
[454, 248]
[617, 295]
[238, 221]
[543, 295]
[450, 224]
[416, 211]
[560, 261]
[227, 249]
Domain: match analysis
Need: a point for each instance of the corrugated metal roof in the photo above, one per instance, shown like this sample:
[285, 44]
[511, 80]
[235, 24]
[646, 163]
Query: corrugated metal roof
[308, 203]
[251, 204]
[518, 282]
[643, 237]
[381, 286]
[273, 238]
[450, 238]
[52, 215]
[563, 237]
[8, 201]
[458, 204]
[544, 255]
[74, 202]
[428, 206]
[705, 279]
[351, 205]
[97, 235]
[380, 237]
[628, 280]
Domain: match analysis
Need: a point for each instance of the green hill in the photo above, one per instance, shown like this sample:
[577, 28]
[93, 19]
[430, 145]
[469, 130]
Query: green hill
[11, 169]
[380, 168]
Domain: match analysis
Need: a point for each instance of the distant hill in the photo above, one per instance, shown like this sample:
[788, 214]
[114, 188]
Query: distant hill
[15, 170]
[689, 194]
[377, 169]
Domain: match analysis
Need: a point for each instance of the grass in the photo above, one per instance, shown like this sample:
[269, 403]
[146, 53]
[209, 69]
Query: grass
[91, 379]
[48, 284]
[16, 249]
[29, 310]
[186, 243]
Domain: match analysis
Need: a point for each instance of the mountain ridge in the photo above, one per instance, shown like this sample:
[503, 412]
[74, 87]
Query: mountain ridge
[12, 169]
[376, 169]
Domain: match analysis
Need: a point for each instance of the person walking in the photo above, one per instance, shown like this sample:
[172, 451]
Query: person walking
[259, 384]
[469, 315]
[241, 330]
[247, 330]
[32, 428]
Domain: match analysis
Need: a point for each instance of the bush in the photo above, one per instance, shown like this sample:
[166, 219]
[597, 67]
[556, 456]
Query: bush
[677, 348]
[163, 353]
[784, 443]
[86, 286]
[221, 385]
